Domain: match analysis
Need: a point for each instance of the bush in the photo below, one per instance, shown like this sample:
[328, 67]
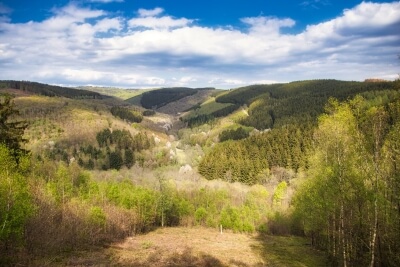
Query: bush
[126, 114]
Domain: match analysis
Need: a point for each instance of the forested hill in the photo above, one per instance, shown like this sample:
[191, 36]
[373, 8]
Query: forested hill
[292, 111]
[50, 90]
[281, 104]
[161, 97]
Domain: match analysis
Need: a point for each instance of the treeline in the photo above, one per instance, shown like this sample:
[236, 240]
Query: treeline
[127, 114]
[349, 205]
[237, 134]
[50, 90]
[246, 160]
[161, 97]
[206, 118]
[275, 105]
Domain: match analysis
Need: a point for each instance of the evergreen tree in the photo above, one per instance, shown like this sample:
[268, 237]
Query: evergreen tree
[116, 160]
[11, 132]
[129, 158]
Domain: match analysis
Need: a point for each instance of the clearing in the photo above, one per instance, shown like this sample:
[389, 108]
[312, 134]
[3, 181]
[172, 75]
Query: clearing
[197, 246]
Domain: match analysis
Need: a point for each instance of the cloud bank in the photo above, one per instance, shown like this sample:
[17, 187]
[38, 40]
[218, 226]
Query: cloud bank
[80, 45]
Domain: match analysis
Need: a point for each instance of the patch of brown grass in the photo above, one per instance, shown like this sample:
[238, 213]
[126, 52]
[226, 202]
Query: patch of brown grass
[197, 246]
[188, 247]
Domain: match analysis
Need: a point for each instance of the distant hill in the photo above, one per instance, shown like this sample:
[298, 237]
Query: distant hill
[280, 104]
[288, 113]
[50, 90]
[157, 98]
[115, 92]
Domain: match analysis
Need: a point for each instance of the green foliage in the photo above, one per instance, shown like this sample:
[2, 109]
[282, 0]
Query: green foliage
[276, 105]
[286, 147]
[127, 114]
[279, 193]
[143, 201]
[97, 216]
[129, 158]
[200, 215]
[15, 200]
[116, 160]
[238, 134]
[161, 97]
[67, 182]
[116, 149]
[11, 132]
[51, 90]
[345, 204]
[201, 118]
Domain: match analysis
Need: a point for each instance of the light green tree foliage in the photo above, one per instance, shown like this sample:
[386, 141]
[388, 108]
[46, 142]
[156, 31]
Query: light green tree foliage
[345, 204]
[68, 182]
[337, 181]
[279, 194]
[143, 201]
[15, 201]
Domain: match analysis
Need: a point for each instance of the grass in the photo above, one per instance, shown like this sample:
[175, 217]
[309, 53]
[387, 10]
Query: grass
[116, 92]
[207, 107]
[289, 251]
[198, 247]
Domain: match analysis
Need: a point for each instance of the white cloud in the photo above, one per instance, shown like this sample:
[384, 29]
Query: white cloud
[107, 24]
[364, 19]
[77, 13]
[86, 45]
[165, 22]
[267, 25]
[150, 12]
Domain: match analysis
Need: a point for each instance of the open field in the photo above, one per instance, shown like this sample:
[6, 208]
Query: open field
[115, 92]
[196, 247]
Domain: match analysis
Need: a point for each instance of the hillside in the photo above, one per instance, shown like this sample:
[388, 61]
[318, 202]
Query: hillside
[291, 110]
[50, 90]
[280, 104]
[115, 92]
[104, 175]
[186, 103]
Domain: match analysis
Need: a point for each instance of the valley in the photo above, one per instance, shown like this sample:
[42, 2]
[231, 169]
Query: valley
[148, 177]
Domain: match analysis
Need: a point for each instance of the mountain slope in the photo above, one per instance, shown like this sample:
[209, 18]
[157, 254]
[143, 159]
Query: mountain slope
[50, 90]
[281, 104]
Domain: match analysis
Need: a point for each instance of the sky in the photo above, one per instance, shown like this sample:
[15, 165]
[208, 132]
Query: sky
[208, 43]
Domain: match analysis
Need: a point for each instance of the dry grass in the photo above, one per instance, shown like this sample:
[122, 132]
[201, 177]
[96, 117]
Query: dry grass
[196, 247]
[163, 246]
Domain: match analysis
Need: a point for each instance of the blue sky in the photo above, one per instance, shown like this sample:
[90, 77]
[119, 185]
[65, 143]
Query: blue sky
[220, 43]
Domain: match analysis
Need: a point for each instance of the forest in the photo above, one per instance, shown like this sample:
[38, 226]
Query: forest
[49, 90]
[318, 160]
[161, 97]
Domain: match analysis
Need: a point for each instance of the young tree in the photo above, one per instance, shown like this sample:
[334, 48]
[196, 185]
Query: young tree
[15, 201]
